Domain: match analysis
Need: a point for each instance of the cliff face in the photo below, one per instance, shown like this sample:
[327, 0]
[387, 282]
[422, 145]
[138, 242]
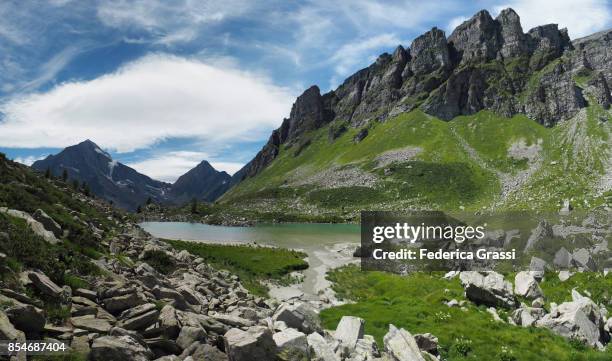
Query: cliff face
[485, 63]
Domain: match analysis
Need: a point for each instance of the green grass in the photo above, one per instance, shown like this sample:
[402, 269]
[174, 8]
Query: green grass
[251, 264]
[415, 302]
[459, 164]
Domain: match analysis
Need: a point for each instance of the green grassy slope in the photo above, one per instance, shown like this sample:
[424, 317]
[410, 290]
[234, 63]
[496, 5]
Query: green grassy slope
[416, 303]
[472, 162]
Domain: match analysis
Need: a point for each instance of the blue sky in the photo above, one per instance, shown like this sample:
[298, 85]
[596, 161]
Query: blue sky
[164, 84]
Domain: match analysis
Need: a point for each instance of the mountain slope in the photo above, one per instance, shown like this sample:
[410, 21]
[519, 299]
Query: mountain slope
[203, 182]
[490, 117]
[106, 178]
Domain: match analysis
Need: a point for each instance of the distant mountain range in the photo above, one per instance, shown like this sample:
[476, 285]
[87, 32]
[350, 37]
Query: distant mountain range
[87, 163]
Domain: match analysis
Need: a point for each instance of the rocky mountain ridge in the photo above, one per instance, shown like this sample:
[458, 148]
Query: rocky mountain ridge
[485, 63]
[128, 189]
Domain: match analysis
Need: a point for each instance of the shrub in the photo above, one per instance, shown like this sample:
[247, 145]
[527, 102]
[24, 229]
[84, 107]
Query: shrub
[160, 261]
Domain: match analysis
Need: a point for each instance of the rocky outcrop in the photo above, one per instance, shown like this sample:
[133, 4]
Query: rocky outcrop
[487, 288]
[485, 63]
[513, 40]
[477, 39]
[525, 285]
[579, 319]
[36, 227]
[429, 52]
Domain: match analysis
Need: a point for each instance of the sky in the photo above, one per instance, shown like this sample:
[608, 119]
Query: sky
[164, 84]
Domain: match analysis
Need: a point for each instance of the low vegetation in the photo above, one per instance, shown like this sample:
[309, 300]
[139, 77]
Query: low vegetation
[416, 303]
[252, 264]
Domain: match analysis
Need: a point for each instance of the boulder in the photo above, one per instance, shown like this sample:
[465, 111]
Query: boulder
[233, 320]
[564, 275]
[537, 268]
[487, 288]
[35, 225]
[90, 323]
[141, 321]
[254, 344]
[80, 344]
[427, 342]
[89, 294]
[542, 232]
[366, 349]
[401, 345]
[579, 319]
[582, 258]
[300, 316]
[291, 344]
[169, 322]
[7, 330]
[123, 302]
[45, 285]
[526, 285]
[527, 316]
[563, 259]
[27, 318]
[119, 348]
[349, 330]
[136, 311]
[205, 352]
[49, 223]
[189, 335]
[320, 348]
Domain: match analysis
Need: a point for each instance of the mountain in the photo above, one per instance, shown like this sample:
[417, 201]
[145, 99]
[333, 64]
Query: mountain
[107, 178]
[489, 116]
[125, 187]
[203, 182]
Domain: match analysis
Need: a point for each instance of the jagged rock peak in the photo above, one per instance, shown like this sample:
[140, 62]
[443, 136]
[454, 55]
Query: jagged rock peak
[429, 52]
[308, 112]
[477, 38]
[400, 54]
[514, 42]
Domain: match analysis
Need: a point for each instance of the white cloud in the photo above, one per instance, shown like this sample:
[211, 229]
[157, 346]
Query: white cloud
[169, 21]
[580, 17]
[28, 160]
[229, 167]
[169, 166]
[155, 98]
[359, 52]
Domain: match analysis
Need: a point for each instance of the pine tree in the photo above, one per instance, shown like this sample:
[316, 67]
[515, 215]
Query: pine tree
[48, 173]
[194, 206]
[65, 175]
[139, 209]
[86, 190]
[75, 184]
[149, 201]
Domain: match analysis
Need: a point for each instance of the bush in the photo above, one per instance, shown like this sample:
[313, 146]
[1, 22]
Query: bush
[160, 261]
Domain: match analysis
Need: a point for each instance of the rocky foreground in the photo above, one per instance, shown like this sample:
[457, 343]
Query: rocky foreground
[196, 312]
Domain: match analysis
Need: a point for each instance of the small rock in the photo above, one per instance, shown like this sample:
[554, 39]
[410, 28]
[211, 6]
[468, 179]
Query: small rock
[349, 330]
[525, 285]
[254, 344]
[189, 335]
[401, 345]
[121, 348]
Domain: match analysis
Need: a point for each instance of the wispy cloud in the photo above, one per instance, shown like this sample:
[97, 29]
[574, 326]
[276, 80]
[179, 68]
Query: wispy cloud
[360, 50]
[169, 22]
